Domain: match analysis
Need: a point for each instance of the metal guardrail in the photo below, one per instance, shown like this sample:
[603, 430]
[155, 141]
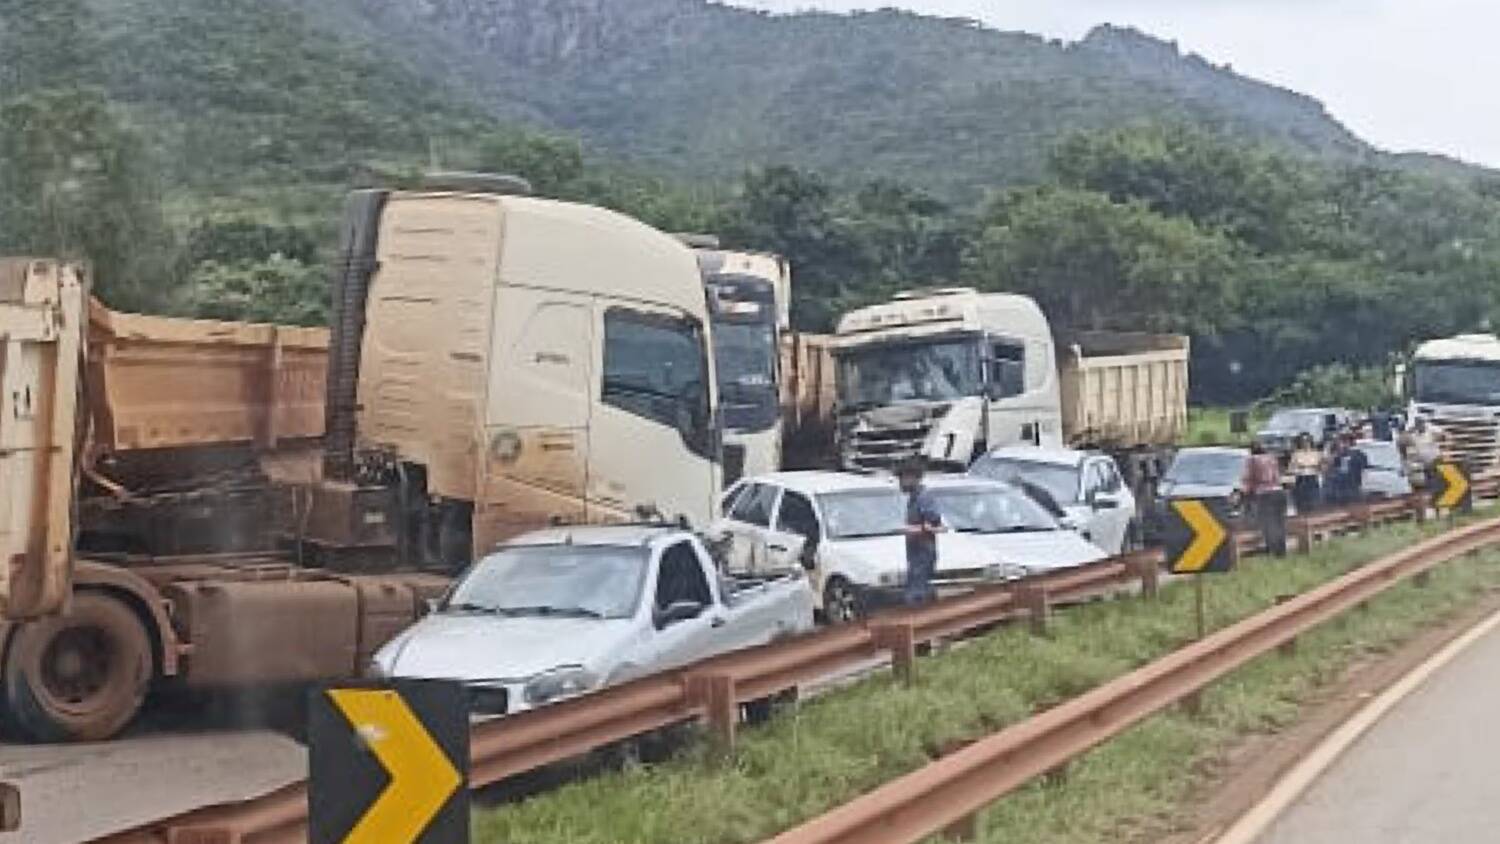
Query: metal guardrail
[948, 792]
[713, 690]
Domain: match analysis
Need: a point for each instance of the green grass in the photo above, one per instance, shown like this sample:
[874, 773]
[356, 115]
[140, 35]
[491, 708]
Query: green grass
[1210, 426]
[843, 744]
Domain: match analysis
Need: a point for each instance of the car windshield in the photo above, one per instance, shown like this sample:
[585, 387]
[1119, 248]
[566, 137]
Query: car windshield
[745, 353]
[862, 513]
[888, 374]
[1300, 421]
[1382, 455]
[1209, 468]
[987, 509]
[1457, 382]
[585, 580]
[1060, 482]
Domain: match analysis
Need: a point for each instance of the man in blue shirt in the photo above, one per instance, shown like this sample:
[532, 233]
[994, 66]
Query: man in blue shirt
[922, 525]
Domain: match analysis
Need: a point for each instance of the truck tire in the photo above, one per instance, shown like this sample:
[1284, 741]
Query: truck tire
[77, 677]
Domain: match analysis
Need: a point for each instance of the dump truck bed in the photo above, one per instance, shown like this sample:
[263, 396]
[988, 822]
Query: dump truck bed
[1123, 390]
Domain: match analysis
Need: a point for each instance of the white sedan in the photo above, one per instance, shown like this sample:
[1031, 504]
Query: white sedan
[848, 532]
[1085, 486]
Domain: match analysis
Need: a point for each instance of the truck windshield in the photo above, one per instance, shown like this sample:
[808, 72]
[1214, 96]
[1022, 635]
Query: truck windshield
[864, 513]
[1457, 382]
[1297, 421]
[746, 356]
[984, 509]
[1060, 482]
[602, 581]
[888, 374]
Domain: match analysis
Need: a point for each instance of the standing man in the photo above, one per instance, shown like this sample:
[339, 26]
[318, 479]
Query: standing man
[1419, 448]
[922, 525]
[1267, 497]
[1349, 466]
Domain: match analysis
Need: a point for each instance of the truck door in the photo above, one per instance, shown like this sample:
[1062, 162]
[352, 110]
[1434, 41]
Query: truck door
[537, 432]
[654, 418]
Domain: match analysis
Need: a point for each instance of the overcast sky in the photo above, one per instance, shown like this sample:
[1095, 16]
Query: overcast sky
[1403, 74]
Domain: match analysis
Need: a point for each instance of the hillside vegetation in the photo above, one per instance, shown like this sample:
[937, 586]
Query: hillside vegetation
[196, 151]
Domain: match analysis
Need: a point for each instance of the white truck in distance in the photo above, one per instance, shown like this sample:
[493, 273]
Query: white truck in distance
[952, 373]
[750, 301]
[1455, 386]
[563, 611]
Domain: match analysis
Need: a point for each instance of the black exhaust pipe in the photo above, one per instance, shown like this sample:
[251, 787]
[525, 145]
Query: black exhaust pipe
[350, 288]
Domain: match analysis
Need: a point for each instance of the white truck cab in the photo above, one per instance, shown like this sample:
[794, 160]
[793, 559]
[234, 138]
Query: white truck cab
[1455, 386]
[948, 374]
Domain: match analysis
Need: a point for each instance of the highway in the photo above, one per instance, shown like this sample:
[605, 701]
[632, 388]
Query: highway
[72, 793]
[1423, 773]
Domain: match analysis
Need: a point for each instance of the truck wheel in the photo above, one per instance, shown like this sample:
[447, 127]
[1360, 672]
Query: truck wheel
[840, 602]
[80, 676]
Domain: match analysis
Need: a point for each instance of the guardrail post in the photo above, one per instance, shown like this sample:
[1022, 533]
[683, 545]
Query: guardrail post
[715, 693]
[1422, 578]
[1289, 647]
[901, 640]
[1304, 534]
[1418, 503]
[203, 835]
[1150, 575]
[1364, 518]
[1038, 608]
[966, 829]
[10, 807]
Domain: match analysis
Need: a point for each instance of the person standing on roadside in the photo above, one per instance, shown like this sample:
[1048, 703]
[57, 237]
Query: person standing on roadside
[923, 522]
[1349, 464]
[1419, 448]
[1267, 498]
[1306, 466]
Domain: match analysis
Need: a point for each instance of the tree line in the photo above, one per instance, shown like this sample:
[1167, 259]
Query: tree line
[1278, 265]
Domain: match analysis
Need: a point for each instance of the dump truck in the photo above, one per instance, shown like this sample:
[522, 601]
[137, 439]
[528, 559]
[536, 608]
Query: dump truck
[1454, 384]
[950, 373]
[207, 505]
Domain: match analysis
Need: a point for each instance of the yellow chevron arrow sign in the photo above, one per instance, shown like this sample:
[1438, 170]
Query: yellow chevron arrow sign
[1455, 487]
[388, 763]
[1203, 551]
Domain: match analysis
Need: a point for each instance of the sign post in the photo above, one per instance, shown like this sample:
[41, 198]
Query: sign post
[388, 763]
[1200, 540]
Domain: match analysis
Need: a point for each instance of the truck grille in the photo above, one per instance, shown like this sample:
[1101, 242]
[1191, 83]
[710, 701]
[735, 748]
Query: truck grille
[487, 700]
[882, 445]
[1471, 440]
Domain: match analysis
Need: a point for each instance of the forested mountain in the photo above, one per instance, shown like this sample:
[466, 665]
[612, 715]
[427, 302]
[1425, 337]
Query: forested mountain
[682, 86]
[195, 151]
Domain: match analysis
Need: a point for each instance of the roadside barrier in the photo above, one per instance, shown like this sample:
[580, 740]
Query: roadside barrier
[713, 690]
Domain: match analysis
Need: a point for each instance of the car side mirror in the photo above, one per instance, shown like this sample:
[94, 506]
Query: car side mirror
[678, 611]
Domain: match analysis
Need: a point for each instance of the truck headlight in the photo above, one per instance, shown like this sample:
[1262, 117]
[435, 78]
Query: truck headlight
[558, 683]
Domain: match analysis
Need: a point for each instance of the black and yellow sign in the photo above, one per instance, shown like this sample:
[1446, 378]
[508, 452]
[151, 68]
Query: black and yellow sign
[1450, 487]
[1198, 536]
[388, 764]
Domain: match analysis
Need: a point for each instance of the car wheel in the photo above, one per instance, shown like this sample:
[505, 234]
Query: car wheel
[841, 603]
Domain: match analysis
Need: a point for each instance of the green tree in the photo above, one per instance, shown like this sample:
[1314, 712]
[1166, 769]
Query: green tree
[1093, 263]
[277, 289]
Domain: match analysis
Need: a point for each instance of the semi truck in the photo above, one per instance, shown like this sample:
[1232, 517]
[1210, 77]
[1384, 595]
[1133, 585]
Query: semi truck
[204, 505]
[750, 299]
[950, 373]
[1454, 384]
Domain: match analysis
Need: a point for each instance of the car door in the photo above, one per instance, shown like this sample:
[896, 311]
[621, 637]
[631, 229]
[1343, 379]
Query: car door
[680, 577]
[747, 527]
[1112, 504]
[794, 537]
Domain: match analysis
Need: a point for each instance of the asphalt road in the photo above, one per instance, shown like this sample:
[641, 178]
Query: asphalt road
[71, 793]
[1424, 774]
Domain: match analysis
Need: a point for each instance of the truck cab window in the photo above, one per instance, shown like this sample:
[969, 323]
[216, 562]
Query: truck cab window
[655, 367]
[681, 578]
[796, 516]
[1007, 369]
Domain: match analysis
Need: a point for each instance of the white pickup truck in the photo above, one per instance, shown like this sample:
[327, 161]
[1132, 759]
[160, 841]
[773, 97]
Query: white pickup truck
[564, 611]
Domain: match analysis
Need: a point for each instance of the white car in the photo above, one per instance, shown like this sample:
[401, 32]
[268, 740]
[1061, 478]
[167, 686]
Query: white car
[1018, 530]
[848, 532]
[1086, 487]
[563, 611]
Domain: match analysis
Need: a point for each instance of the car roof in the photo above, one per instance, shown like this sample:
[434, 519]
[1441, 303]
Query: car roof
[1215, 449]
[964, 482]
[621, 535]
[1041, 454]
[817, 482]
